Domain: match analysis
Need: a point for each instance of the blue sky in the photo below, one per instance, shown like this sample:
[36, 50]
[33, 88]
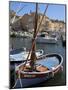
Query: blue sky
[54, 11]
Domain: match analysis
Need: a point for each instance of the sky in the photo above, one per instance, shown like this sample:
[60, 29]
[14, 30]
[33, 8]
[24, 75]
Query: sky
[54, 11]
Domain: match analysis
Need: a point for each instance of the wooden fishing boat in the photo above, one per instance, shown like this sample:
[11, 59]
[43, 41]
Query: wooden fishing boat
[52, 65]
[37, 69]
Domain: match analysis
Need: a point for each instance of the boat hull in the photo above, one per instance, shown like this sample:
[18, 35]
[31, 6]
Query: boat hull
[43, 40]
[26, 82]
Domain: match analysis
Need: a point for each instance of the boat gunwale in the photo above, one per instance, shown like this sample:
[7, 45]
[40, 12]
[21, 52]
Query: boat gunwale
[48, 71]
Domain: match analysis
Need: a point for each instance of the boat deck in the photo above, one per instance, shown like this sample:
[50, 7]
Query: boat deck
[39, 68]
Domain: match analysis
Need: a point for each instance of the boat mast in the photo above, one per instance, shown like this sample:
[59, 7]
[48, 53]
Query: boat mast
[33, 54]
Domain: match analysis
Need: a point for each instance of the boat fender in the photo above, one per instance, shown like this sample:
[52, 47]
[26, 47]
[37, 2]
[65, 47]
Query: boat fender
[24, 48]
[41, 51]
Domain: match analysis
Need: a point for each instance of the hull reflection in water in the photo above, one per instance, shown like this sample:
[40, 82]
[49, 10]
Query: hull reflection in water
[46, 67]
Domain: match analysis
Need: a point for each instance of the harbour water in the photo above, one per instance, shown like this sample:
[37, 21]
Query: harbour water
[59, 79]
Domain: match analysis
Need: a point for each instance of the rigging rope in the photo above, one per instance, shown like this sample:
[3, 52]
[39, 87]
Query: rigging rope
[17, 79]
[37, 31]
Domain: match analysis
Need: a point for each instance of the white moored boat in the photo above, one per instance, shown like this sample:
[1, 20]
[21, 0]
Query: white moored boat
[45, 38]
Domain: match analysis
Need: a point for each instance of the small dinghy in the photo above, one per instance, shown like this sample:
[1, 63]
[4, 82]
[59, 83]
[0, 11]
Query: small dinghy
[37, 69]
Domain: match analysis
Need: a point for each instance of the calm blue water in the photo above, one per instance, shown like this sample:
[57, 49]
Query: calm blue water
[59, 79]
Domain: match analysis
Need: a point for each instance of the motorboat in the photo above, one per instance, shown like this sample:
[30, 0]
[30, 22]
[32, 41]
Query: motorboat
[18, 55]
[46, 38]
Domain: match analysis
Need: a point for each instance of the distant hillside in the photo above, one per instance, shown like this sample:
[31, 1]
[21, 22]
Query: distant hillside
[27, 22]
